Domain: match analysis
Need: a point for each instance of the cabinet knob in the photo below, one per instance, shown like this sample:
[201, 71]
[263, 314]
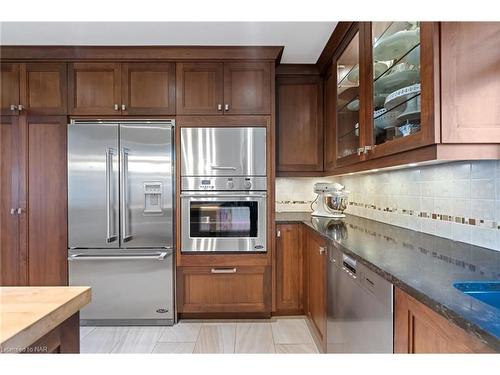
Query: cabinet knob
[360, 150]
[322, 250]
[366, 149]
[124, 107]
[19, 211]
[219, 107]
[278, 233]
[20, 107]
[226, 107]
[12, 211]
[13, 107]
[116, 107]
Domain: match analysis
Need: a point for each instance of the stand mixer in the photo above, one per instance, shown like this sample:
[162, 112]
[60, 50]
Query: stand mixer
[331, 200]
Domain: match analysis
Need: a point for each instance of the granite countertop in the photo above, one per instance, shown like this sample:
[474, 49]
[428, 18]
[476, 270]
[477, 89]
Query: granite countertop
[28, 313]
[422, 265]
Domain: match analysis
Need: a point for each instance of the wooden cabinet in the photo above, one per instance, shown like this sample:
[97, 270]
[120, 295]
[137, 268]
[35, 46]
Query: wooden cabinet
[200, 88]
[46, 210]
[300, 125]
[470, 82]
[13, 260]
[9, 89]
[418, 329]
[148, 89]
[232, 88]
[46, 89]
[122, 88]
[33, 228]
[247, 88]
[34, 88]
[316, 291]
[329, 144]
[289, 270]
[236, 289]
[94, 89]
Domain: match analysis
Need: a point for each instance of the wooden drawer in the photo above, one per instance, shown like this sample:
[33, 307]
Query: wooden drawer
[224, 289]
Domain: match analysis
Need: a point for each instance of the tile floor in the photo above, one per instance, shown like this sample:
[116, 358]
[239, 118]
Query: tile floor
[276, 335]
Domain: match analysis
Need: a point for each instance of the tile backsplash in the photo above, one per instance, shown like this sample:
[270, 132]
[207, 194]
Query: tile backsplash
[459, 200]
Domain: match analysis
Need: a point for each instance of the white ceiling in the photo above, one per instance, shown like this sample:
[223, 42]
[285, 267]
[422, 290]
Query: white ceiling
[303, 41]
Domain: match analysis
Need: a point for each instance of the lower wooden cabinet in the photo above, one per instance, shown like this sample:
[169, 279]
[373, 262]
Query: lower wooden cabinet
[316, 253]
[289, 270]
[245, 289]
[418, 329]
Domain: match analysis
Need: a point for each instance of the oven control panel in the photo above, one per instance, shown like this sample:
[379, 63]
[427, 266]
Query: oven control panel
[223, 183]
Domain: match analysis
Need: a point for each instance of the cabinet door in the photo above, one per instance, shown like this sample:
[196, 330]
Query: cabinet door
[199, 88]
[349, 99]
[300, 124]
[148, 88]
[47, 207]
[401, 93]
[418, 329]
[46, 89]
[330, 127]
[226, 289]
[13, 261]
[470, 82]
[289, 275]
[9, 93]
[316, 248]
[247, 88]
[94, 89]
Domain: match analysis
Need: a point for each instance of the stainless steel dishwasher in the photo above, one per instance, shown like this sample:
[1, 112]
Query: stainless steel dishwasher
[359, 307]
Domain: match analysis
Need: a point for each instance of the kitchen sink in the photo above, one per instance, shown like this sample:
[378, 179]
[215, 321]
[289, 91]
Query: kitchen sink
[484, 291]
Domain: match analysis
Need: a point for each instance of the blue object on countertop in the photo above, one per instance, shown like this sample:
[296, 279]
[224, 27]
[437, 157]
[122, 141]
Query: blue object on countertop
[484, 291]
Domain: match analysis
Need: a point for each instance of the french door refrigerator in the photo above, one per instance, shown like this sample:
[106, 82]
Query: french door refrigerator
[120, 219]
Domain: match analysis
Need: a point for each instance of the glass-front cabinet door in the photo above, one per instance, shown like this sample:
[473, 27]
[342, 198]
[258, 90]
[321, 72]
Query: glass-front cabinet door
[349, 134]
[396, 117]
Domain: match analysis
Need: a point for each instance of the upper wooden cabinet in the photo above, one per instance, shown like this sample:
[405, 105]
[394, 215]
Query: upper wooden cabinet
[122, 88]
[237, 88]
[9, 90]
[94, 89]
[34, 88]
[148, 88]
[247, 88]
[300, 124]
[470, 82]
[200, 88]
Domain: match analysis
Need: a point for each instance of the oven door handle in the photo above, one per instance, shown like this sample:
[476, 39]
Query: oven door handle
[223, 195]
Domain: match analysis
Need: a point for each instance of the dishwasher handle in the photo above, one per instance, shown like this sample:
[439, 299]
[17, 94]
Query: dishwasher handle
[81, 257]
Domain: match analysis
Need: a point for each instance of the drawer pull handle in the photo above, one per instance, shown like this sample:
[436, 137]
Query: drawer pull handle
[223, 270]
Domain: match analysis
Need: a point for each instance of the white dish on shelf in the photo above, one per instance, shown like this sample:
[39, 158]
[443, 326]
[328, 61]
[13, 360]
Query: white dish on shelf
[378, 100]
[378, 69]
[383, 119]
[396, 79]
[396, 45]
[412, 111]
[400, 96]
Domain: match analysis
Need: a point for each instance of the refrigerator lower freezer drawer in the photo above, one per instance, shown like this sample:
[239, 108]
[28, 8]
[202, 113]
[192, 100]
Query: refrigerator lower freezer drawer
[128, 289]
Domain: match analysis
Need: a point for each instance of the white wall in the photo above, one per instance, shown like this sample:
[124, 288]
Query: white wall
[460, 201]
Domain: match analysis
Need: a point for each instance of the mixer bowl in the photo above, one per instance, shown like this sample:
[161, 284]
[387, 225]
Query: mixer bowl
[336, 202]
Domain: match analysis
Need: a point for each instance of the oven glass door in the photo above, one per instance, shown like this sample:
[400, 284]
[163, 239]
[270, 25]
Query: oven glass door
[226, 223]
[223, 219]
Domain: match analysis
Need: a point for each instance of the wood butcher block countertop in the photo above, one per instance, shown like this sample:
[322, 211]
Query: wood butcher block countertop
[28, 313]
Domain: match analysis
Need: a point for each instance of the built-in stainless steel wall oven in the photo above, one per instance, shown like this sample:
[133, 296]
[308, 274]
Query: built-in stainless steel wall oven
[223, 189]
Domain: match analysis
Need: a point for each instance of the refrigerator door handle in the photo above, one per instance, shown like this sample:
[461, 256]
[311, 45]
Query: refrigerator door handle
[110, 237]
[126, 237]
[157, 256]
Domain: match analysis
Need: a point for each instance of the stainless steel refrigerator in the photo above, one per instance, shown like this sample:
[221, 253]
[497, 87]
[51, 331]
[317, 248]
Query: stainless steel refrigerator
[121, 218]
